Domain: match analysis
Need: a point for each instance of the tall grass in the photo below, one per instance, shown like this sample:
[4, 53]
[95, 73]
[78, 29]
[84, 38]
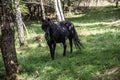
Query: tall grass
[98, 30]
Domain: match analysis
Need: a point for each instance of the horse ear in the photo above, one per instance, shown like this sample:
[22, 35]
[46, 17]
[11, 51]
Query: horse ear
[42, 20]
[48, 19]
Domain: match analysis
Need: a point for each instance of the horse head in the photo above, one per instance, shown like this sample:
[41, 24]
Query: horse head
[46, 25]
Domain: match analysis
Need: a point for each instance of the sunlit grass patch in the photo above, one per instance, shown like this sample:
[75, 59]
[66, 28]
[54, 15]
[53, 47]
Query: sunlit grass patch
[95, 32]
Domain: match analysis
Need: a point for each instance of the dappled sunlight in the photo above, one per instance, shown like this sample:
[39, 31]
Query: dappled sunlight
[113, 74]
[98, 30]
[86, 32]
[101, 42]
[98, 14]
[99, 23]
[89, 70]
[48, 69]
[75, 16]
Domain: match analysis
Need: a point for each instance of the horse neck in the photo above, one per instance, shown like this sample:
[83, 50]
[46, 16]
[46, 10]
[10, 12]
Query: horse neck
[53, 26]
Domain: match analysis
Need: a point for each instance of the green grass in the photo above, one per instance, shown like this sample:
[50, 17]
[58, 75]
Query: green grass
[100, 34]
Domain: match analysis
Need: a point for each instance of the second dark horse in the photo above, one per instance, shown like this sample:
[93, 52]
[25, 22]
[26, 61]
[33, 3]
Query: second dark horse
[59, 33]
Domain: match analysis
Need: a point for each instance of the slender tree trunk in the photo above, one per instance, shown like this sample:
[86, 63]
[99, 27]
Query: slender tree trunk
[63, 6]
[69, 6]
[42, 9]
[96, 1]
[20, 23]
[8, 44]
[38, 8]
[59, 11]
[117, 1]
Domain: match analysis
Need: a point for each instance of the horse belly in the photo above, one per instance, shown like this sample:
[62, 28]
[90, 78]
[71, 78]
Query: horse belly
[60, 35]
[60, 39]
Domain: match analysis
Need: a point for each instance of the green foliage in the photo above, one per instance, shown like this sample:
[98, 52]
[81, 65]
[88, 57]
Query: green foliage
[23, 8]
[99, 32]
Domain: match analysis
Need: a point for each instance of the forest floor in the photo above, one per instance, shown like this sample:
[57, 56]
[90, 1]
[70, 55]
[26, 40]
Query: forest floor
[98, 30]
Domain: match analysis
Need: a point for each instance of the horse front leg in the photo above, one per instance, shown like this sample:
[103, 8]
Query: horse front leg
[52, 47]
[53, 50]
[64, 45]
[70, 41]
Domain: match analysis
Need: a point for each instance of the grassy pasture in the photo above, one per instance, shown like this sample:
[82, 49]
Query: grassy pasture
[99, 31]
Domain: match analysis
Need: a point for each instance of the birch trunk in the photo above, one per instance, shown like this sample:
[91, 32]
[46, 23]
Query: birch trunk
[59, 11]
[19, 23]
[42, 9]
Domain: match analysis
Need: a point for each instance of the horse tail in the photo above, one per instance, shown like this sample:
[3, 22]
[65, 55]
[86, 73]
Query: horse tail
[77, 41]
[72, 33]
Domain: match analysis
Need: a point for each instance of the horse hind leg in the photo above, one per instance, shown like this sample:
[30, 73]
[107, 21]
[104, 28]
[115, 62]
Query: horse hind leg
[64, 52]
[53, 50]
[70, 40]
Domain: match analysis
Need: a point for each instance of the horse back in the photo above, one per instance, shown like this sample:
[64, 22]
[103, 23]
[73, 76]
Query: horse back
[60, 33]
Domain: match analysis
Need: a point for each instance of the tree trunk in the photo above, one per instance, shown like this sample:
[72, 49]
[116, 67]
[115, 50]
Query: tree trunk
[20, 23]
[96, 2]
[63, 6]
[8, 45]
[38, 8]
[116, 1]
[42, 9]
[59, 11]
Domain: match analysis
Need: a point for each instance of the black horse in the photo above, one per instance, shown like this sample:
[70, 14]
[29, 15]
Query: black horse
[59, 33]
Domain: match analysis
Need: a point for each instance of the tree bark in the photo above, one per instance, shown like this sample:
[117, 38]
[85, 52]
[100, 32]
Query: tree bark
[20, 23]
[59, 11]
[8, 44]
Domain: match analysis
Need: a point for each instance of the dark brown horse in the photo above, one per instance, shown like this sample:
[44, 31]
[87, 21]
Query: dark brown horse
[59, 33]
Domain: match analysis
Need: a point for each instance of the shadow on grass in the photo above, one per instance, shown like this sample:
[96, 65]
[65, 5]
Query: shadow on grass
[102, 52]
[105, 14]
[34, 27]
